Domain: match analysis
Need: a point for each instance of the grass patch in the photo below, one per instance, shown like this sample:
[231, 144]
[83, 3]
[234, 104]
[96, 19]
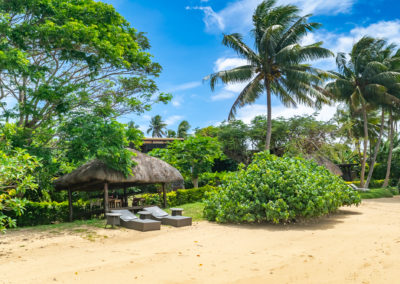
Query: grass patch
[55, 228]
[379, 193]
[194, 210]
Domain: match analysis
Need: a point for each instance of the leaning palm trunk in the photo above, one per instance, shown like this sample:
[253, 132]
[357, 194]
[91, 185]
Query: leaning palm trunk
[269, 116]
[389, 163]
[364, 159]
[376, 150]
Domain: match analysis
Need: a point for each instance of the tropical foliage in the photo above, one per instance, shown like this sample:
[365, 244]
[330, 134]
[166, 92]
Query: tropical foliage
[368, 77]
[157, 127]
[277, 190]
[16, 177]
[278, 65]
[193, 156]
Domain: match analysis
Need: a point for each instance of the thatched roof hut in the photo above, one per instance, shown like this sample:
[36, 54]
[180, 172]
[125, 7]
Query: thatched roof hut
[92, 175]
[323, 161]
[96, 175]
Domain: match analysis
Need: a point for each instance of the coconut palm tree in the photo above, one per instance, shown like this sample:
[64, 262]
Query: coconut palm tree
[183, 129]
[157, 126]
[278, 63]
[171, 133]
[363, 80]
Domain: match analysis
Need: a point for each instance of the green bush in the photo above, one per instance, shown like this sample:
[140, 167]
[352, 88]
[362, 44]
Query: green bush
[42, 213]
[213, 179]
[179, 197]
[274, 189]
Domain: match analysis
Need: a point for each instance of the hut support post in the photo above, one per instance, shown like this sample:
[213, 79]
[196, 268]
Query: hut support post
[105, 197]
[70, 204]
[125, 197]
[164, 195]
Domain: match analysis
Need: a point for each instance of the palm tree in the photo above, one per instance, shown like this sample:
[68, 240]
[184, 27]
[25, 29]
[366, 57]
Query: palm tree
[183, 129]
[171, 133]
[363, 80]
[157, 126]
[277, 65]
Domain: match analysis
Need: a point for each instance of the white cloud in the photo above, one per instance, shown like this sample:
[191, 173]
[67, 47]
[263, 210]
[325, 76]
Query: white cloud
[210, 19]
[222, 96]
[185, 86]
[177, 101]
[224, 63]
[237, 16]
[247, 113]
[173, 119]
[389, 30]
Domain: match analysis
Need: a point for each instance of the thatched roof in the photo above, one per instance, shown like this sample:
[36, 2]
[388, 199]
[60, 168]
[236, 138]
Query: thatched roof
[93, 175]
[323, 161]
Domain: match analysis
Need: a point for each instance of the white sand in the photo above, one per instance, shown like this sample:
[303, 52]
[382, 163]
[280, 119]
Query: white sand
[357, 245]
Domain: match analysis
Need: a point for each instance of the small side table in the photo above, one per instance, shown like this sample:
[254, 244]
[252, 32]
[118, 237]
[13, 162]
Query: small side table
[176, 211]
[144, 215]
[112, 219]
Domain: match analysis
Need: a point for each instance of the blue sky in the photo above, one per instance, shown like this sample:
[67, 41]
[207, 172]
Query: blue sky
[186, 40]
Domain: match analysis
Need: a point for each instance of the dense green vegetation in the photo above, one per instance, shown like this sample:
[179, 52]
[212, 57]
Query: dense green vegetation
[70, 69]
[193, 156]
[273, 189]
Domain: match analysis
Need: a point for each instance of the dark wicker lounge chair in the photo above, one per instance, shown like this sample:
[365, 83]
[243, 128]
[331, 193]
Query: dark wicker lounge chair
[130, 221]
[176, 220]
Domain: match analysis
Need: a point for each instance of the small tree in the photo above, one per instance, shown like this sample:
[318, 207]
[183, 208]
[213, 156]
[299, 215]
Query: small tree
[16, 176]
[192, 157]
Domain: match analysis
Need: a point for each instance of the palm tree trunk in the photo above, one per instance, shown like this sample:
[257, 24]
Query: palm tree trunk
[195, 181]
[364, 159]
[358, 147]
[269, 115]
[389, 163]
[378, 144]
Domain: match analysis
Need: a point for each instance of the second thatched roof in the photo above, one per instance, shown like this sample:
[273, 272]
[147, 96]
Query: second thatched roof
[92, 175]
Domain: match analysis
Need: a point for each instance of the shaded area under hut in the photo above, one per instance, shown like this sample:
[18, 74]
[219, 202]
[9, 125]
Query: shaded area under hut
[96, 176]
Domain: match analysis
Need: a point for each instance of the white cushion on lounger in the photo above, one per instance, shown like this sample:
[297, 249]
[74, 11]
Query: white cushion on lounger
[156, 211]
[126, 215]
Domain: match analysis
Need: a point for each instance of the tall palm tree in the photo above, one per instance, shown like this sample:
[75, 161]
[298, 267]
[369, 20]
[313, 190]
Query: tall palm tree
[277, 65]
[183, 129]
[361, 81]
[157, 126]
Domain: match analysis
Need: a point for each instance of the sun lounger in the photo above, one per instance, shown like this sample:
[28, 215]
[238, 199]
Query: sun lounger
[353, 186]
[176, 220]
[130, 221]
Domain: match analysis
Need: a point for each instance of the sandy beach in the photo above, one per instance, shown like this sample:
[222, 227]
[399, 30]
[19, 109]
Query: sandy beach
[356, 245]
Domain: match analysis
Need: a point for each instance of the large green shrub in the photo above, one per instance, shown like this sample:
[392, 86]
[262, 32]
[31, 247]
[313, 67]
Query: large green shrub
[274, 189]
[179, 197]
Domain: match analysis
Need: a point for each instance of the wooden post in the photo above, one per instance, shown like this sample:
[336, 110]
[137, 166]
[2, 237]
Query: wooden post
[105, 197]
[164, 195]
[70, 204]
[125, 197]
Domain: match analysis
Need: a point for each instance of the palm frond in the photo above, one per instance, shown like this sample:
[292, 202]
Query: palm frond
[235, 75]
[235, 41]
[248, 95]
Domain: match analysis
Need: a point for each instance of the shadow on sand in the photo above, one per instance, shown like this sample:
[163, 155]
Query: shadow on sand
[322, 223]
